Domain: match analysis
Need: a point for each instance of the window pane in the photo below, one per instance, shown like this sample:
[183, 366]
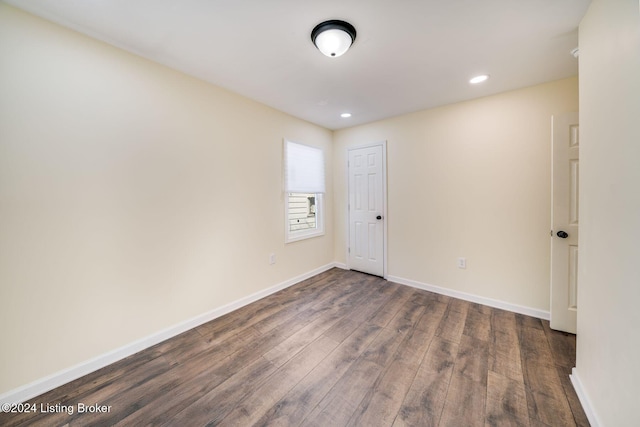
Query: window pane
[302, 211]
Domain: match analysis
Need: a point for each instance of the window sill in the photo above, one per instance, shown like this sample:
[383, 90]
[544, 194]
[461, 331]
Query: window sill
[295, 237]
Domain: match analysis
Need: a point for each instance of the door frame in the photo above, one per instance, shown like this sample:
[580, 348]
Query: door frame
[383, 144]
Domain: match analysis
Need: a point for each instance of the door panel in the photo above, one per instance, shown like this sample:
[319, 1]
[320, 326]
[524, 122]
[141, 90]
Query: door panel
[366, 210]
[573, 277]
[356, 247]
[573, 192]
[373, 244]
[565, 218]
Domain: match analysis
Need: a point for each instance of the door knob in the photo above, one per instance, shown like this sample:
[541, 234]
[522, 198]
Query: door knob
[379, 217]
[562, 234]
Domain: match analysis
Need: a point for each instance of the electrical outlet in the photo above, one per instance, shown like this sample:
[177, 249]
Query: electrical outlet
[272, 259]
[462, 263]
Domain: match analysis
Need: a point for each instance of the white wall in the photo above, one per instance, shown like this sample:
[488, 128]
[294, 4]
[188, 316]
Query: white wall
[608, 351]
[132, 198]
[468, 180]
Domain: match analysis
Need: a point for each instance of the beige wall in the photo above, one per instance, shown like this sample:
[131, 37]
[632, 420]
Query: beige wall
[129, 195]
[468, 180]
[132, 198]
[608, 352]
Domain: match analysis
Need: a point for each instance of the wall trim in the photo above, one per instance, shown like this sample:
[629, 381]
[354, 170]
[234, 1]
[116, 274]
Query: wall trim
[534, 312]
[584, 399]
[48, 383]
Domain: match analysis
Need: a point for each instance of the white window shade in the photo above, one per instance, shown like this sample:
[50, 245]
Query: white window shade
[303, 168]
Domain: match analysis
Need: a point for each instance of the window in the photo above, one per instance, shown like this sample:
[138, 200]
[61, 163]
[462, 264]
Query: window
[304, 188]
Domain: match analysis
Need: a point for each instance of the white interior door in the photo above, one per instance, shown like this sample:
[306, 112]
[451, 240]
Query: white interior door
[565, 220]
[367, 209]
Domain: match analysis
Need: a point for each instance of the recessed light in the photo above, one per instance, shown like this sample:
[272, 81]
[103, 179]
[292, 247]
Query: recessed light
[345, 115]
[478, 79]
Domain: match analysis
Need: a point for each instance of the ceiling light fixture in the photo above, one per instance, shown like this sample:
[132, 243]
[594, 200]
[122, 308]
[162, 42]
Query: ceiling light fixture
[478, 79]
[333, 38]
[345, 115]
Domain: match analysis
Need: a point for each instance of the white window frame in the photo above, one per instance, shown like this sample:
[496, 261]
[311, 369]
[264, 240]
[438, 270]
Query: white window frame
[294, 236]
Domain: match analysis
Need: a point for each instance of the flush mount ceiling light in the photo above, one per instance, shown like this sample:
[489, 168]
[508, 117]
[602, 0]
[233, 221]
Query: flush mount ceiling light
[345, 115]
[333, 38]
[478, 79]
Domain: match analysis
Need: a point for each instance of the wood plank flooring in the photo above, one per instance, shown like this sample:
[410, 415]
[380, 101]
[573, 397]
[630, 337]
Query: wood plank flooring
[339, 349]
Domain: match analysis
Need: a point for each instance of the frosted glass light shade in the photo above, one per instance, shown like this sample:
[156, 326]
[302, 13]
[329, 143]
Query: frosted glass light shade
[333, 42]
[479, 79]
[333, 38]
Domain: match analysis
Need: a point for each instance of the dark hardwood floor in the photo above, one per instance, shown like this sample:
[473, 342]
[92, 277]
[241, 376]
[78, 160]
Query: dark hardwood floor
[339, 349]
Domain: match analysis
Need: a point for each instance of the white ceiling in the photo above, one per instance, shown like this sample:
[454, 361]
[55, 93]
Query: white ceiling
[409, 55]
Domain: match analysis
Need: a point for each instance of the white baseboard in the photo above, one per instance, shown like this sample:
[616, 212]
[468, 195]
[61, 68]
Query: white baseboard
[43, 385]
[584, 400]
[534, 312]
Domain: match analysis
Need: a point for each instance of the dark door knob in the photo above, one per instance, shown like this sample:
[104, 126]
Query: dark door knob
[562, 234]
[379, 217]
